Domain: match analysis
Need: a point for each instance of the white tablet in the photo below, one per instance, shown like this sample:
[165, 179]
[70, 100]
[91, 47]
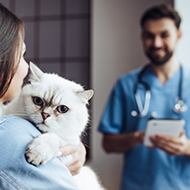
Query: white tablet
[162, 127]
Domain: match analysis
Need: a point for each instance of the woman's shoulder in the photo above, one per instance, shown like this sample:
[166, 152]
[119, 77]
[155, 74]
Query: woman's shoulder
[15, 126]
[15, 136]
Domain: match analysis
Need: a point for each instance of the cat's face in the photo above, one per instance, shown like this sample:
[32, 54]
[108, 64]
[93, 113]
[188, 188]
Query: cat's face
[55, 104]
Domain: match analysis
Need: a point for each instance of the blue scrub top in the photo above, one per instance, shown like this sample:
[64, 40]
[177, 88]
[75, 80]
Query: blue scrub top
[146, 169]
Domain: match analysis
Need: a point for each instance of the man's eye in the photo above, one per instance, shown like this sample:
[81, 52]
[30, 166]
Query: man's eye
[164, 35]
[148, 36]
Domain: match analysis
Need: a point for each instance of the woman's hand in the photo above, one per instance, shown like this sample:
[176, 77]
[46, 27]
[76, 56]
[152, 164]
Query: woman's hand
[172, 145]
[78, 154]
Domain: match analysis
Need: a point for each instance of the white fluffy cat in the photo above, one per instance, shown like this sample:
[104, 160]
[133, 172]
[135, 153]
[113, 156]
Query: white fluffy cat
[58, 109]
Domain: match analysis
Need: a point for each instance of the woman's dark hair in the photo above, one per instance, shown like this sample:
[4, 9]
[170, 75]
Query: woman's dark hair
[11, 43]
[161, 11]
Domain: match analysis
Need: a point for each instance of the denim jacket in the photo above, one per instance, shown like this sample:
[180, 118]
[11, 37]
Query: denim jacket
[16, 172]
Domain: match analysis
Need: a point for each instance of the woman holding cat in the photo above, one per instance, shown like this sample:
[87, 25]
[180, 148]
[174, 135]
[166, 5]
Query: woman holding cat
[16, 133]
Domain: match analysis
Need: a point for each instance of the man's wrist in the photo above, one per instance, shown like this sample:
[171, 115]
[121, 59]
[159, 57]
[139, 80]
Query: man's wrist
[187, 152]
[139, 136]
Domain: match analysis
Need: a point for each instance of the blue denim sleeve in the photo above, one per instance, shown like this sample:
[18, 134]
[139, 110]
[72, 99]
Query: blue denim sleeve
[16, 172]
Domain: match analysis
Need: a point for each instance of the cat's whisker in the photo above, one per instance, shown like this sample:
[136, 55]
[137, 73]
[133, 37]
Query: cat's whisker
[19, 114]
[86, 145]
[88, 134]
[88, 127]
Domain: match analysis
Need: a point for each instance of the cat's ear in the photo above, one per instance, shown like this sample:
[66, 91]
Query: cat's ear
[35, 72]
[85, 95]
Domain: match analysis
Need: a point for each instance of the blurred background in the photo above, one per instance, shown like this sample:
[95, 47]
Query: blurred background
[92, 42]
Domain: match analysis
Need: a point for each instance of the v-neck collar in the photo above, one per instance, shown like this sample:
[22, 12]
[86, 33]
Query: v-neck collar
[150, 77]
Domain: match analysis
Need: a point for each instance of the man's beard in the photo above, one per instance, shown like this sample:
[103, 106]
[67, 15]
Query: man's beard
[159, 60]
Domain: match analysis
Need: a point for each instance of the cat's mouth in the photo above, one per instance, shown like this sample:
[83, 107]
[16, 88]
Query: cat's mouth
[42, 123]
[42, 127]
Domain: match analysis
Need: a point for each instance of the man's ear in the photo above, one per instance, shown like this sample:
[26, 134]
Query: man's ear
[179, 35]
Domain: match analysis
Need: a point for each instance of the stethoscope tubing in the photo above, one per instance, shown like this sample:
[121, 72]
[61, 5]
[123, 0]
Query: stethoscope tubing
[179, 107]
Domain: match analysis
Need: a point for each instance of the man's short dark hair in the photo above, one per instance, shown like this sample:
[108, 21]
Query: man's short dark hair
[159, 12]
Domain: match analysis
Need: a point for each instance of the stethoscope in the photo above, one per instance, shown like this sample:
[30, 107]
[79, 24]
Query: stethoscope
[179, 107]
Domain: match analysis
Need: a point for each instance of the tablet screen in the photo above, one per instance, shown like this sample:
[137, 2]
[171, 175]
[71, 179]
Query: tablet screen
[162, 127]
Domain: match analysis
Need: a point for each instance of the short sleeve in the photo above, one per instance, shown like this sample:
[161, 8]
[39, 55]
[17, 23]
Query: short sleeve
[112, 118]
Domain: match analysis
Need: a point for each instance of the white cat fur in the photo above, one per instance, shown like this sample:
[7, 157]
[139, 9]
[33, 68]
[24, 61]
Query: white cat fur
[59, 129]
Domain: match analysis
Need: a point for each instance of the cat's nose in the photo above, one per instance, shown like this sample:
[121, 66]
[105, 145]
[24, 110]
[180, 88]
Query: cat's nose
[45, 115]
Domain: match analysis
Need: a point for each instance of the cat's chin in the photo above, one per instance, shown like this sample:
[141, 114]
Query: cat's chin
[42, 127]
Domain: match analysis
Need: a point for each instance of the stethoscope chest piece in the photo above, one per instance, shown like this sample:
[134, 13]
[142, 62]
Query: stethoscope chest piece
[180, 107]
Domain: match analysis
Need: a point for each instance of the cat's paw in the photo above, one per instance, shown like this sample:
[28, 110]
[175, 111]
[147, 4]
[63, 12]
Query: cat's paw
[39, 152]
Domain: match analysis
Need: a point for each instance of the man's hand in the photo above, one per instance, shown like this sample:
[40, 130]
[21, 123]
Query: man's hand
[172, 145]
[78, 154]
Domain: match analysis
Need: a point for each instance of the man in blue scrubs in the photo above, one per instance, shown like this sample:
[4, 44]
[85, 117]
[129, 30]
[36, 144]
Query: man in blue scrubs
[166, 166]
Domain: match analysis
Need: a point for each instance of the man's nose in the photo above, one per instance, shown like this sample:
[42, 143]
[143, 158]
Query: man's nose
[157, 42]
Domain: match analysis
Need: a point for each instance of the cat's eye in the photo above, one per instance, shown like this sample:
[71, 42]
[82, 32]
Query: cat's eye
[38, 101]
[62, 109]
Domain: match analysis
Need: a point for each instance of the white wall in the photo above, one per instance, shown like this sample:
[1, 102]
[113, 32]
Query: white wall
[116, 49]
[182, 6]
